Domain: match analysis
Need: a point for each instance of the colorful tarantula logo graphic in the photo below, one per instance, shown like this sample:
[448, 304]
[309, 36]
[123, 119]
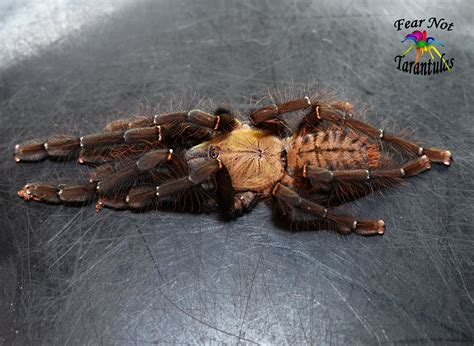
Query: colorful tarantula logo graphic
[424, 44]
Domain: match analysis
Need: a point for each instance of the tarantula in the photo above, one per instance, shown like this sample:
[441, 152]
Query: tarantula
[211, 159]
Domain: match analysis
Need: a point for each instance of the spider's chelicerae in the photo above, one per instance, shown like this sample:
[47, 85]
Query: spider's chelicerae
[212, 160]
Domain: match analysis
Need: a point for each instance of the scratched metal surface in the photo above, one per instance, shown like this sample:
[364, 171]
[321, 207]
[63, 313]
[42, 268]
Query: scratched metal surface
[69, 275]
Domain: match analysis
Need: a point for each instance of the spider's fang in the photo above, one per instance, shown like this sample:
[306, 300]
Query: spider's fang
[275, 189]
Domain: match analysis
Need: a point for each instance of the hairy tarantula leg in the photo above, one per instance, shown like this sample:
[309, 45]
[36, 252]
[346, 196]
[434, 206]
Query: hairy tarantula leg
[128, 123]
[60, 146]
[267, 118]
[101, 155]
[345, 107]
[345, 223]
[270, 113]
[143, 196]
[66, 146]
[319, 174]
[434, 154]
[145, 163]
[131, 136]
[222, 120]
[63, 193]
[111, 201]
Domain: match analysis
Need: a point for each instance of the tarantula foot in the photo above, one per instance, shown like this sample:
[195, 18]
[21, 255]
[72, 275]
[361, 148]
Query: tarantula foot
[24, 193]
[98, 206]
[447, 157]
[370, 227]
[40, 193]
[437, 155]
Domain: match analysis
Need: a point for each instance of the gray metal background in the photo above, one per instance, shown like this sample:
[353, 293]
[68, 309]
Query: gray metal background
[69, 275]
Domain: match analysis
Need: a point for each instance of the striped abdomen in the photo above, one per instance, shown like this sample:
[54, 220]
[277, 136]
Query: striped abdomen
[334, 149]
